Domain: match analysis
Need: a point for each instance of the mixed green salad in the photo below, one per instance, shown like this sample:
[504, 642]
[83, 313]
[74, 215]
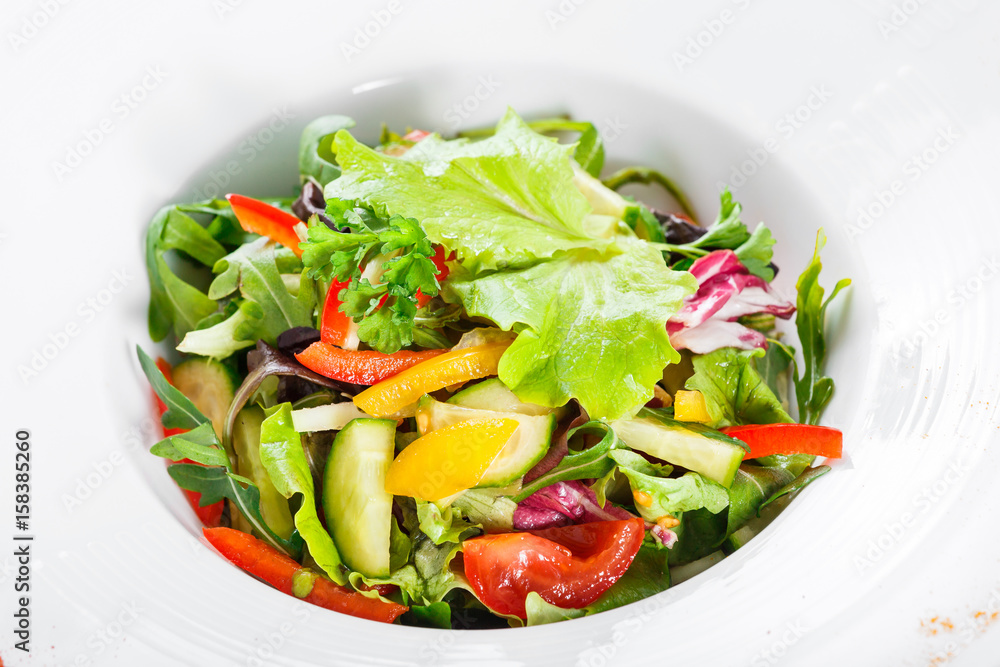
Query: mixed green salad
[466, 383]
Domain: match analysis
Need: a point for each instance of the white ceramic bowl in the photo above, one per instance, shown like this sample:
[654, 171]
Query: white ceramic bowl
[854, 571]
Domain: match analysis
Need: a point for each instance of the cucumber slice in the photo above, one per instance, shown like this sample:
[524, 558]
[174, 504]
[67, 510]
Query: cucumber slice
[494, 395]
[210, 385]
[713, 457]
[246, 444]
[526, 447]
[358, 509]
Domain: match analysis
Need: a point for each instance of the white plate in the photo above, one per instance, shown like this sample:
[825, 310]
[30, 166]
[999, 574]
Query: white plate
[874, 561]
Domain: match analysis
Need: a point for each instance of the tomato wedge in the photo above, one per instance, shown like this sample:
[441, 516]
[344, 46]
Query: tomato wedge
[262, 218]
[569, 566]
[267, 563]
[209, 515]
[366, 367]
[768, 439]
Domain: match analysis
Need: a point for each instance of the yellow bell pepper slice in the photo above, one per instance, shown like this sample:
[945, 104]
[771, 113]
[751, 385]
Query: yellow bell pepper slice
[449, 459]
[690, 406]
[395, 393]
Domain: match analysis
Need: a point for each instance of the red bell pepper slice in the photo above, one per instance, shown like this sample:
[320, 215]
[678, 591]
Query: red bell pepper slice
[439, 258]
[267, 563]
[210, 515]
[768, 439]
[260, 218]
[365, 367]
[335, 325]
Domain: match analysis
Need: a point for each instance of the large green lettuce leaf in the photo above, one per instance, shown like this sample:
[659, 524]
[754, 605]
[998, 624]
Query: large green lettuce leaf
[283, 457]
[505, 201]
[590, 326]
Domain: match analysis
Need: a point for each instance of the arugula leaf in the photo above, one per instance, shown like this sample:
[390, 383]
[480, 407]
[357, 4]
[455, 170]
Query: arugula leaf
[728, 232]
[699, 534]
[215, 484]
[813, 390]
[283, 457]
[751, 487]
[173, 303]
[505, 201]
[772, 366]
[386, 312]
[268, 307]
[200, 445]
[802, 481]
[585, 323]
[589, 463]
[756, 253]
[734, 391]
[317, 157]
[181, 412]
[671, 495]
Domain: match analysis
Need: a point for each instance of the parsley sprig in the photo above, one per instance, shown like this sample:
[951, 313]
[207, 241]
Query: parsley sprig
[384, 311]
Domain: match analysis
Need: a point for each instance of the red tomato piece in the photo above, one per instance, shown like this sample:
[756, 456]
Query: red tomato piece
[569, 566]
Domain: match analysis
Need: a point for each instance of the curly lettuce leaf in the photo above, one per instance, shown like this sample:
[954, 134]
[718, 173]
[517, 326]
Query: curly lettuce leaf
[669, 495]
[590, 327]
[283, 457]
[505, 201]
[734, 391]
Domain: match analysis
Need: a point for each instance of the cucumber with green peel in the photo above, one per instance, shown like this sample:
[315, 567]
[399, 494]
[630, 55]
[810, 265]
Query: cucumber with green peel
[700, 449]
[492, 394]
[526, 447]
[209, 384]
[358, 509]
[246, 444]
